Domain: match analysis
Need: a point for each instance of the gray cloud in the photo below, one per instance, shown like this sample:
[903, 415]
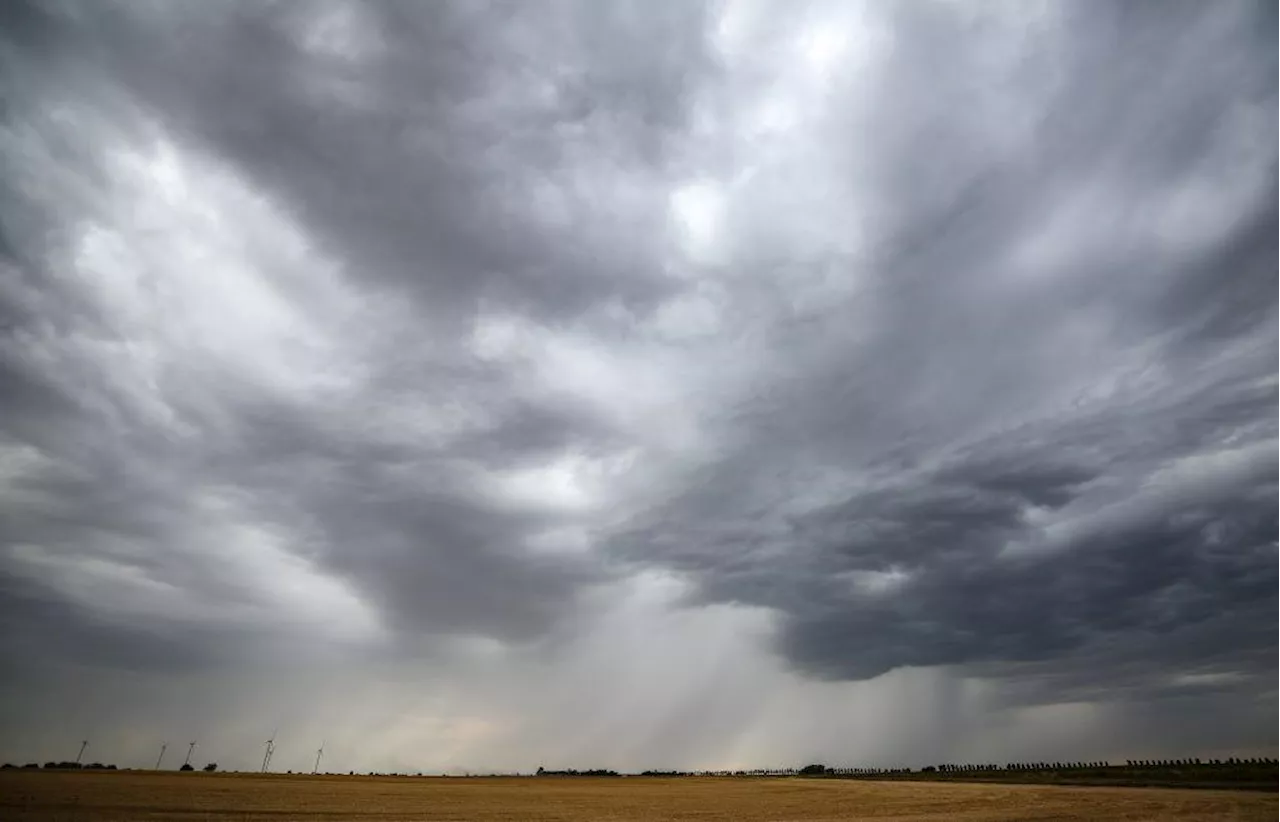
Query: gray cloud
[861, 348]
[1032, 453]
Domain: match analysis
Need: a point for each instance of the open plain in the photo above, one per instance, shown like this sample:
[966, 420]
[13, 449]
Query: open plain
[168, 797]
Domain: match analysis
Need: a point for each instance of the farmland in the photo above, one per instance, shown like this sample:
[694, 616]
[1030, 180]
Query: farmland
[158, 797]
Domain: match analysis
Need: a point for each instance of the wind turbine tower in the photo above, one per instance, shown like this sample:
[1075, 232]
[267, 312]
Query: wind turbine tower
[271, 748]
[163, 747]
[319, 753]
[84, 743]
[191, 746]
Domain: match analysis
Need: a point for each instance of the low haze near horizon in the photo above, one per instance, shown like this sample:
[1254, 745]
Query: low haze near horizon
[487, 385]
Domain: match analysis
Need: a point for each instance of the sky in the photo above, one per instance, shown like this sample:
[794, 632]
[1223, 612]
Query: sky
[476, 386]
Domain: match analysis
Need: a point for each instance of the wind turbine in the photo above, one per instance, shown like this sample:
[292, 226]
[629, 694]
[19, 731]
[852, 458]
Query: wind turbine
[163, 747]
[271, 748]
[319, 753]
[191, 746]
[84, 743]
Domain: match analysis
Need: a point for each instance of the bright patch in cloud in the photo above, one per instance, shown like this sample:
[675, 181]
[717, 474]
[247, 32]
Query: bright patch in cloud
[824, 47]
[699, 211]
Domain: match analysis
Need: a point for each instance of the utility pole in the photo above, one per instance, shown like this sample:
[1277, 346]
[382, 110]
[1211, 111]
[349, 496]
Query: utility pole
[84, 743]
[163, 747]
[191, 746]
[319, 753]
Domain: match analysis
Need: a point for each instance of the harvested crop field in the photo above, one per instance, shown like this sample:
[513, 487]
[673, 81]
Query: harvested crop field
[117, 797]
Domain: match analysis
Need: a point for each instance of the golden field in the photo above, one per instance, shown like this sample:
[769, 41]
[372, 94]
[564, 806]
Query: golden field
[27, 796]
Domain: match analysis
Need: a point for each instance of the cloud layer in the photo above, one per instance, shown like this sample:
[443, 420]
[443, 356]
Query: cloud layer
[711, 383]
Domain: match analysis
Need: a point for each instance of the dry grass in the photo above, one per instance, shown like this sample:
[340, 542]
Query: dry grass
[112, 797]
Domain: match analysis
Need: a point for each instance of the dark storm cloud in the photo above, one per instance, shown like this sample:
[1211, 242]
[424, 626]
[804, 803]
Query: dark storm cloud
[943, 333]
[407, 185]
[1068, 460]
[414, 163]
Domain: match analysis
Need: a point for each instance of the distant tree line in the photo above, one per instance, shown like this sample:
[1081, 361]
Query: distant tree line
[58, 766]
[752, 772]
[1025, 766]
[92, 766]
[866, 771]
[1231, 761]
[823, 770]
[572, 772]
[1083, 766]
